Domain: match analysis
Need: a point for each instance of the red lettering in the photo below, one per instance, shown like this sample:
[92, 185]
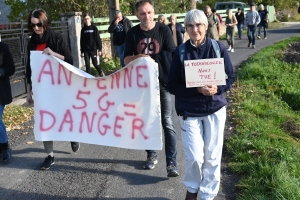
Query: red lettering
[82, 99]
[128, 113]
[104, 126]
[128, 76]
[62, 68]
[140, 75]
[108, 103]
[42, 113]
[98, 84]
[85, 82]
[67, 119]
[89, 125]
[117, 75]
[117, 126]
[43, 71]
[139, 127]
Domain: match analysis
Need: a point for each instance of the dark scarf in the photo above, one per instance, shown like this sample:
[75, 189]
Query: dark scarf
[48, 33]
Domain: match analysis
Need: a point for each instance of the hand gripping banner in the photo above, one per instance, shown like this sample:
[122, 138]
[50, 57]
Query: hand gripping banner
[119, 110]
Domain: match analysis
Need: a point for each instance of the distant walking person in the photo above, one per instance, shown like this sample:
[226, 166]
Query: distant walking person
[230, 23]
[240, 18]
[90, 43]
[218, 15]
[177, 30]
[7, 68]
[264, 21]
[119, 27]
[52, 43]
[214, 27]
[252, 20]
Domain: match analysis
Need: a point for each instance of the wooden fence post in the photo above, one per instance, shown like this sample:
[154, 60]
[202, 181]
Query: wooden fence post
[74, 28]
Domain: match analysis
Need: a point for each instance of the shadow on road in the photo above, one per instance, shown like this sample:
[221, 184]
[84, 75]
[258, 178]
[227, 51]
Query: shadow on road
[282, 31]
[37, 196]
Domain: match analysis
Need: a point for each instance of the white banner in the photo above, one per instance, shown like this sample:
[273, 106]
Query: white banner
[204, 72]
[120, 110]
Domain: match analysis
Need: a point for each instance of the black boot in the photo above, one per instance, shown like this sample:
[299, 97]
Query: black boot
[6, 152]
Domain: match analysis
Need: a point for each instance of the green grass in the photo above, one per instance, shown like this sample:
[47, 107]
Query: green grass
[265, 151]
[15, 115]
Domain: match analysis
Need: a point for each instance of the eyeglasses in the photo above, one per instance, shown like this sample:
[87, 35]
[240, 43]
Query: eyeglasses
[198, 25]
[38, 25]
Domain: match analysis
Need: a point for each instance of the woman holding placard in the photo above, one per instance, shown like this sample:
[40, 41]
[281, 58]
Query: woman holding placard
[51, 43]
[201, 110]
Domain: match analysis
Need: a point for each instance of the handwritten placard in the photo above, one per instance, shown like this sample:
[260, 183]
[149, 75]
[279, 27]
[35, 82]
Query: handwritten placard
[204, 72]
[120, 110]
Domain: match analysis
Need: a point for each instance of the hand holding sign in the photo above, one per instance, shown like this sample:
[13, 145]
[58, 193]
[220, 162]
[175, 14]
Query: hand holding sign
[208, 90]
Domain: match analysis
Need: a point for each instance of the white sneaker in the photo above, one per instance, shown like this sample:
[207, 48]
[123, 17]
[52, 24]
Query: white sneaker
[232, 50]
[229, 48]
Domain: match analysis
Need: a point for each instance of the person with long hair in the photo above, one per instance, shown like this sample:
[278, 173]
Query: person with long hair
[177, 30]
[52, 43]
[230, 23]
[7, 68]
[162, 19]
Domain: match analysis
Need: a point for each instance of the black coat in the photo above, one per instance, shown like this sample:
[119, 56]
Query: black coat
[127, 25]
[56, 43]
[7, 68]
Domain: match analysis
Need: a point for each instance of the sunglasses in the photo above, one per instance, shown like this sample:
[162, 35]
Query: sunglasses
[38, 25]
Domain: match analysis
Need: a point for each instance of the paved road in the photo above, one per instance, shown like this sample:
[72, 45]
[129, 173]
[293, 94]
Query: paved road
[99, 172]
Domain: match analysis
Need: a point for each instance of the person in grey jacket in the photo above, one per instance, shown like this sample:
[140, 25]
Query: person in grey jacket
[252, 19]
[119, 27]
[7, 68]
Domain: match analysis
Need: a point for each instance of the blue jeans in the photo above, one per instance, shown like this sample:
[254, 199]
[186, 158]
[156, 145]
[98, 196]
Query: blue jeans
[251, 32]
[3, 134]
[240, 27]
[121, 49]
[260, 28]
[167, 115]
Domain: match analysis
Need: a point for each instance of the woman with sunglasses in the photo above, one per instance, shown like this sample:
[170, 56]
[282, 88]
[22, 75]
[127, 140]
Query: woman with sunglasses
[52, 43]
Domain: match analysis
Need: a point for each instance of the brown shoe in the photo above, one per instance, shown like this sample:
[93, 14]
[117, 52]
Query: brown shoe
[190, 196]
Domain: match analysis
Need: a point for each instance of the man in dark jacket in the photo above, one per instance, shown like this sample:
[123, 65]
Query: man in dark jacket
[119, 27]
[7, 68]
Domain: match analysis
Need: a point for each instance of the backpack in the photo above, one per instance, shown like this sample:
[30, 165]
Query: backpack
[215, 19]
[215, 46]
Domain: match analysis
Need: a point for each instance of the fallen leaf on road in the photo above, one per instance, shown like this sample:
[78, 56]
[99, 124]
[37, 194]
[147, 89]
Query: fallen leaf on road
[29, 142]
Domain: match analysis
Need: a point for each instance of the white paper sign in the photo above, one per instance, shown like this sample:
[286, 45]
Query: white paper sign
[204, 72]
[120, 110]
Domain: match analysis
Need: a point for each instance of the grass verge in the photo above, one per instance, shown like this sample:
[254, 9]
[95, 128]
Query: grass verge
[265, 151]
[14, 115]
